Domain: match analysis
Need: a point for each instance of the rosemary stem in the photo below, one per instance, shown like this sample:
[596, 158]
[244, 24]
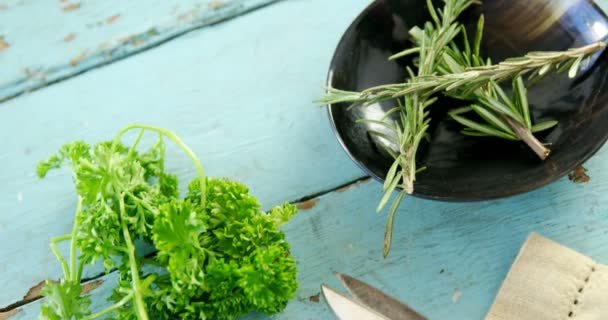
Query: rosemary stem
[408, 179]
[528, 138]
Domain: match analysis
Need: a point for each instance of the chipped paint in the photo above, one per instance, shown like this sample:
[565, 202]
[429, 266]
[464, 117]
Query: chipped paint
[126, 39]
[3, 44]
[112, 19]
[90, 286]
[29, 73]
[214, 5]
[314, 298]
[345, 188]
[3, 7]
[8, 314]
[34, 291]
[186, 17]
[307, 205]
[70, 7]
[70, 37]
[350, 185]
[137, 40]
[456, 296]
[579, 175]
[34, 74]
[104, 46]
[78, 59]
[57, 68]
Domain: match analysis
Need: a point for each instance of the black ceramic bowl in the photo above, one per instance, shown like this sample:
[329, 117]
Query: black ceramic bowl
[464, 168]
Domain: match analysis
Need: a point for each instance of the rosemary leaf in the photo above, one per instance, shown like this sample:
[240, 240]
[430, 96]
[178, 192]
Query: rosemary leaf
[482, 127]
[500, 108]
[382, 135]
[545, 69]
[432, 12]
[506, 99]
[574, 67]
[390, 175]
[473, 133]
[492, 119]
[388, 234]
[387, 193]
[467, 46]
[522, 100]
[479, 36]
[544, 126]
[404, 53]
[378, 122]
[461, 110]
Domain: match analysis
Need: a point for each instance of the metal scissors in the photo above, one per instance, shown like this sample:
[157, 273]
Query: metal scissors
[368, 303]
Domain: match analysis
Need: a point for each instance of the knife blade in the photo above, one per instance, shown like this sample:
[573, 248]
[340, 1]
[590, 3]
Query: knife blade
[346, 309]
[379, 301]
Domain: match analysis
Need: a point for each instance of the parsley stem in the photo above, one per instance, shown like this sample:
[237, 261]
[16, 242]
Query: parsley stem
[80, 267]
[171, 135]
[75, 275]
[64, 264]
[141, 134]
[111, 308]
[138, 300]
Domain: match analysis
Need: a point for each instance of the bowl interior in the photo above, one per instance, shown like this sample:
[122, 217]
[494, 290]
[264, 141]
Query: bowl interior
[462, 168]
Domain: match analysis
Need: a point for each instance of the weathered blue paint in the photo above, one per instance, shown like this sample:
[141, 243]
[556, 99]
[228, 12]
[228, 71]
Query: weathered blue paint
[52, 40]
[240, 94]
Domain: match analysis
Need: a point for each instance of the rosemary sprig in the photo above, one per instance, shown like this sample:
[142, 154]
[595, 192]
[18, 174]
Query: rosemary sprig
[505, 117]
[534, 64]
[414, 121]
[480, 83]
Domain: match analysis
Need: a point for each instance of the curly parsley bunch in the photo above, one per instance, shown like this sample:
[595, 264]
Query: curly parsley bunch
[217, 254]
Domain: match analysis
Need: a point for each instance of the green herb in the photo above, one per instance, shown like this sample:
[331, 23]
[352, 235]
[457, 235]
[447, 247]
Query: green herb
[444, 66]
[505, 117]
[465, 76]
[414, 119]
[534, 64]
[218, 255]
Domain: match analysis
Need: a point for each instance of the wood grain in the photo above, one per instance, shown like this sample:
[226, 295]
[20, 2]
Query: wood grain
[42, 42]
[239, 93]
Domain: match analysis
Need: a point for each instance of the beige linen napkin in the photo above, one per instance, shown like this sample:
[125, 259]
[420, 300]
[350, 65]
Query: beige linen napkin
[552, 282]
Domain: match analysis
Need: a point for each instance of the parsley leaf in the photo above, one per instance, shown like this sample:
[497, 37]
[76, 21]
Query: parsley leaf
[64, 301]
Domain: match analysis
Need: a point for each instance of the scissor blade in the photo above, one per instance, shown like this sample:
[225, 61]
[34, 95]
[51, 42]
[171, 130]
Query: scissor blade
[378, 300]
[346, 309]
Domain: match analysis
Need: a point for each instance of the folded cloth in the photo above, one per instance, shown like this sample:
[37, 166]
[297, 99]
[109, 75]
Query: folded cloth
[552, 282]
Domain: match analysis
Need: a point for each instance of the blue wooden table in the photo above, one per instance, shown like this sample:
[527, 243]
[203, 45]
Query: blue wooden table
[236, 80]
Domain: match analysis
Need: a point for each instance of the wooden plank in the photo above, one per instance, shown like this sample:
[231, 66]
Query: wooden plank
[473, 244]
[603, 4]
[240, 93]
[448, 259]
[47, 41]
